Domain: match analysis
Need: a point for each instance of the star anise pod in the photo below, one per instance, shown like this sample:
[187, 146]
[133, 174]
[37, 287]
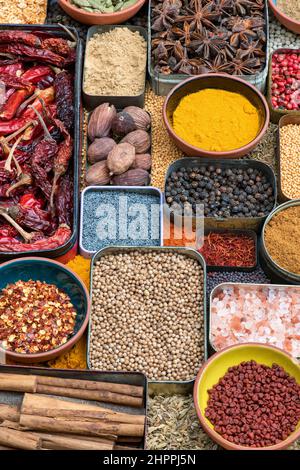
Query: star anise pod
[243, 30]
[222, 7]
[207, 45]
[184, 64]
[184, 34]
[199, 15]
[251, 50]
[218, 65]
[164, 16]
[242, 7]
[244, 66]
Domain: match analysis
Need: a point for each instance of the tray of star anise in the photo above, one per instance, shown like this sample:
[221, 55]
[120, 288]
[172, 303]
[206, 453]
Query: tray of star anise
[190, 37]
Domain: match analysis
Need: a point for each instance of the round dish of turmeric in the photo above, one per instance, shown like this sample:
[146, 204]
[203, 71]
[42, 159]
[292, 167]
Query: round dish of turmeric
[281, 237]
[216, 120]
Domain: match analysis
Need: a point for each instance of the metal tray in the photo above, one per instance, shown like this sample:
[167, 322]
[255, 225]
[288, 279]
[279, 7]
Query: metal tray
[130, 189]
[290, 118]
[157, 386]
[55, 30]
[213, 293]
[212, 223]
[162, 84]
[92, 101]
[268, 264]
[87, 143]
[276, 114]
[244, 269]
[130, 378]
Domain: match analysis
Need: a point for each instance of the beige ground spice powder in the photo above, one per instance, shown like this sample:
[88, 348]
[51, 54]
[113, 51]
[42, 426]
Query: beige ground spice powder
[115, 63]
[290, 7]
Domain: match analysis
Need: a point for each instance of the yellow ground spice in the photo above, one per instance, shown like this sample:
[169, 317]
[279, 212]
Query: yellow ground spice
[216, 120]
[76, 357]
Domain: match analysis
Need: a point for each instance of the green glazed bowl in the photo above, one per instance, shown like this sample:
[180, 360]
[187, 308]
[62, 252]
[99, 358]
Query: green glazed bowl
[51, 272]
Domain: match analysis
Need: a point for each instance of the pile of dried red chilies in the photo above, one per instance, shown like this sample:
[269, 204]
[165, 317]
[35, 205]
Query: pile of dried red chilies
[36, 124]
[228, 249]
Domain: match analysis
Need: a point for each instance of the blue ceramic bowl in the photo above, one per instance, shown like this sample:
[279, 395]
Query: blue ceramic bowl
[51, 272]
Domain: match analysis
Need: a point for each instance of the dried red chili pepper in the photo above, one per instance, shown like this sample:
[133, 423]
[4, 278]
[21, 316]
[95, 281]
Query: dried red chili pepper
[33, 54]
[33, 218]
[11, 106]
[64, 96]
[20, 37]
[15, 69]
[45, 82]
[35, 73]
[64, 200]
[14, 82]
[58, 45]
[30, 201]
[46, 149]
[59, 238]
[24, 179]
[47, 95]
[8, 231]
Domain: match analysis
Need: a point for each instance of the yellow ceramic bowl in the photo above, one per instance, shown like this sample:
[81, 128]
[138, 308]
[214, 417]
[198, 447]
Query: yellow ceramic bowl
[216, 367]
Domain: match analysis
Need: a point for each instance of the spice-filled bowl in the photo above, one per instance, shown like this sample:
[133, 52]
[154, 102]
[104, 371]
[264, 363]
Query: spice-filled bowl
[216, 116]
[279, 248]
[90, 17]
[283, 83]
[285, 17]
[114, 69]
[255, 313]
[118, 146]
[153, 299]
[288, 144]
[234, 194]
[51, 309]
[227, 370]
[229, 250]
[114, 215]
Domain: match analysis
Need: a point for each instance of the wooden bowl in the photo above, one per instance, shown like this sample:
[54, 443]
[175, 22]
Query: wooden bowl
[222, 82]
[51, 272]
[285, 20]
[85, 17]
[217, 366]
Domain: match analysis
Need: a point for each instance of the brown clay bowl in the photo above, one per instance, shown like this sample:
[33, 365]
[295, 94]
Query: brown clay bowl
[51, 272]
[285, 20]
[85, 17]
[223, 82]
[216, 367]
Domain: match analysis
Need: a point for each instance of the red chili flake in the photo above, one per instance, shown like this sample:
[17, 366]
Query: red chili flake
[254, 405]
[228, 249]
[35, 317]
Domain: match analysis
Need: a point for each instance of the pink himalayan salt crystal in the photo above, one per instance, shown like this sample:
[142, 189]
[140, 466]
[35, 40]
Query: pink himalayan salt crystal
[248, 313]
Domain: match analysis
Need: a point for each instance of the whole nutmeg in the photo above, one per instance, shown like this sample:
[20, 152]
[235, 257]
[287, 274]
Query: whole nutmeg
[137, 177]
[121, 158]
[143, 161]
[140, 117]
[122, 124]
[98, 174]
[99, 149]
[101, 120]
[139, 139]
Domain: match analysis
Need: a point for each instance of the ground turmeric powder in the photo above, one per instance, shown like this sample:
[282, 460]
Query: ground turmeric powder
[76, 357]
[216, 120]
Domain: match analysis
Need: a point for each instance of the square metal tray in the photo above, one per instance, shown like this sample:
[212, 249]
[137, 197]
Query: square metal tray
[157, 386]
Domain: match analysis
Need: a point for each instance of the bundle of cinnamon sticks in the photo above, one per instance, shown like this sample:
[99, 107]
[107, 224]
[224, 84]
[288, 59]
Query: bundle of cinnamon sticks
[56, 422]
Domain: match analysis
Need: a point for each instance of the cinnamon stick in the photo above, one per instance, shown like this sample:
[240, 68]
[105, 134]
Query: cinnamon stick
[124, 389]
[40, 423]
[9, 412]
[55, 442]
[85, 415]
[18, 383]
[19, 439]
[97, 395]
